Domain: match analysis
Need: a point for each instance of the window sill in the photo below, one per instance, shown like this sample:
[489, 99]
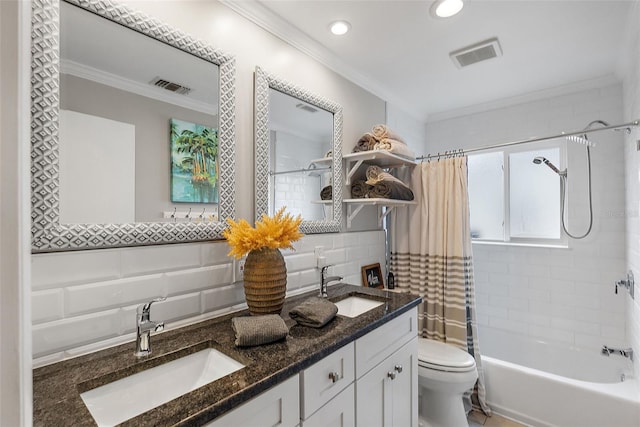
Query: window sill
[526, 245]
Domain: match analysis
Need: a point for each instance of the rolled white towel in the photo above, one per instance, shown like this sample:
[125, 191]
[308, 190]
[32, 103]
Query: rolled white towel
[382, 131]
[396, 147]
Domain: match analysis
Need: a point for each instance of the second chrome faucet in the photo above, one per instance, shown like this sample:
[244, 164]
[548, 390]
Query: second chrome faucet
[144, 328]
[324, 281]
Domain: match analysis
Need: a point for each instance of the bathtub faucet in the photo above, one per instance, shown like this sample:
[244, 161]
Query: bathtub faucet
[626, 352]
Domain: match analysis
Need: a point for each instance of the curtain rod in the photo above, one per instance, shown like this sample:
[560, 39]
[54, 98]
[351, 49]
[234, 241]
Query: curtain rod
[626, 126]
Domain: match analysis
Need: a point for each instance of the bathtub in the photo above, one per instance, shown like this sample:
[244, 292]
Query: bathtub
[541, 384]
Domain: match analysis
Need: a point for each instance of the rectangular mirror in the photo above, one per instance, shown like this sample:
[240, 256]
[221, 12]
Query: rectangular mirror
[133, 130]
[298, 140]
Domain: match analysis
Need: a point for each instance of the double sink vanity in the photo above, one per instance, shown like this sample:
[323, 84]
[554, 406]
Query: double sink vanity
[362, 365]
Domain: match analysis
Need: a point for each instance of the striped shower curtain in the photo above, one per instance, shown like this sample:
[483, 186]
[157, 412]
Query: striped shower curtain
[431, 256]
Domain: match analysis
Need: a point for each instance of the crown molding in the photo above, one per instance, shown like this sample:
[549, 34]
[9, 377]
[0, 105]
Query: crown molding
[580, 86]
[99, 76]
[263, 17]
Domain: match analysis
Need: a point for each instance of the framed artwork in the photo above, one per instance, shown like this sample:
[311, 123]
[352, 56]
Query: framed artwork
[372, 276]
[194, 163]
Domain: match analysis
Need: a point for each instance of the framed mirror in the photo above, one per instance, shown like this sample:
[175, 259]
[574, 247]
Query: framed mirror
[133, 130]
[298, 154]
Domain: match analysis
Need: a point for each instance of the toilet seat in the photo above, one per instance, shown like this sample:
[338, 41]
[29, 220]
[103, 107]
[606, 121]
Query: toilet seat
[443, 357]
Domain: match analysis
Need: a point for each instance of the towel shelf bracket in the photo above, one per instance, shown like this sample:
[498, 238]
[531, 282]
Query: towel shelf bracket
[385, 206]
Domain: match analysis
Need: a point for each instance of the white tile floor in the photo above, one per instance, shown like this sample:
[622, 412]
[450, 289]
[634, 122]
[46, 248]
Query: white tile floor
[478, 419]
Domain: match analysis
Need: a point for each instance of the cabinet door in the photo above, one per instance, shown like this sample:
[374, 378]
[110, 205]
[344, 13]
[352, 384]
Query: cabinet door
[405, 385]
[388, 394]
[278, 406]
[339, 412]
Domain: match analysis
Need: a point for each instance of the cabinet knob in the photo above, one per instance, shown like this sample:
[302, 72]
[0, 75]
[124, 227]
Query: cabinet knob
[391, 375]
[398, 369]
[334, 377]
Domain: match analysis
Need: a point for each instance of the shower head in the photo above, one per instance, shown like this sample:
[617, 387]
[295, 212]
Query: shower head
[539, 160]
[580, 139]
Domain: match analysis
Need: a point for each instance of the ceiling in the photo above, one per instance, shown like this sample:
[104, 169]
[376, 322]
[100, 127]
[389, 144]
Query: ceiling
[398, 51]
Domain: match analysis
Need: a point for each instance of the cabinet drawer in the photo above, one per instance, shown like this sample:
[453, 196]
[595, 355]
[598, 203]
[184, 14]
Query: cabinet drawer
[278, 406]
[339, 412]
[380, 343]
[322, 381]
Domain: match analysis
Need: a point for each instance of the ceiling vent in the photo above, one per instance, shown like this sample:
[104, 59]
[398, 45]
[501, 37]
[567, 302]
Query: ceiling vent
[476, 53]
[173, 87]
[306, 107]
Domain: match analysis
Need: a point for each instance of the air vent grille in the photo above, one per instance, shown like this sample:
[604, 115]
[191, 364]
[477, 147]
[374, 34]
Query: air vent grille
[306, 107]
[476, 53]
[171, 86]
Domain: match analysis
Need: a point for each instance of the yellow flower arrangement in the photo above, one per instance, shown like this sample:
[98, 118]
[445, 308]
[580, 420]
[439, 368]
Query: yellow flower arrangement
[277, 232]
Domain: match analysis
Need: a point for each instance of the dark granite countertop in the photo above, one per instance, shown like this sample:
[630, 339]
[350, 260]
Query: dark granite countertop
[57, 387]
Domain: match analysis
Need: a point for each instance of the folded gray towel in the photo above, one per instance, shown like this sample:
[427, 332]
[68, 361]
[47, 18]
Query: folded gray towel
[326, 193]
[390, 190]
[359, 189]
[257, 330]
[314, 312]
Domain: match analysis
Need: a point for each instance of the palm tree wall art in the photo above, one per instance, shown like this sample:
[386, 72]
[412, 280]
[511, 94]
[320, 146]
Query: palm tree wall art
[194, 165]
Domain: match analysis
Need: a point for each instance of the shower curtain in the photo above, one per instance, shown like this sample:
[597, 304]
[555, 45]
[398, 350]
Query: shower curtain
[431, 256]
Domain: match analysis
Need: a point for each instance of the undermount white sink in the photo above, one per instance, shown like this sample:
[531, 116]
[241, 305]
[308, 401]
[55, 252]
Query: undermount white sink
[354, 306]
[121, 400]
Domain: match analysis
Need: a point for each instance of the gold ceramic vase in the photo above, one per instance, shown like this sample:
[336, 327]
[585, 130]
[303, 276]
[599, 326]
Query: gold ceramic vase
[265, 281]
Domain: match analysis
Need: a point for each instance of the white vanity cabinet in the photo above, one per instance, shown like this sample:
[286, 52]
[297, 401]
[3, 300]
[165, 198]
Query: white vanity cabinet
[370, 382]
[387, 374]
[278, 406]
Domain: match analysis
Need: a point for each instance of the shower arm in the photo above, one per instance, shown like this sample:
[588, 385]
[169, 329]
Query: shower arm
[626, 126]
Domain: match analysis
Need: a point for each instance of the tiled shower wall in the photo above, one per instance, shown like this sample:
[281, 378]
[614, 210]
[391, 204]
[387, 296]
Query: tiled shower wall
[83, 301]
[632, 178]
[563, 295]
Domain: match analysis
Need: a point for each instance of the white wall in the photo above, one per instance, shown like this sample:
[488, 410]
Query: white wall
[87, 298]
[15, 360]
[561, 295]
[631, 98]
[412, 130]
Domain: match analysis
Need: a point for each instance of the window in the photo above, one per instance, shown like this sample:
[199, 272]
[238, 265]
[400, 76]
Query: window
[513, 200]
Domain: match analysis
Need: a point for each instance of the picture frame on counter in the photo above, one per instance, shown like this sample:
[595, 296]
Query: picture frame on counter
[372, 276]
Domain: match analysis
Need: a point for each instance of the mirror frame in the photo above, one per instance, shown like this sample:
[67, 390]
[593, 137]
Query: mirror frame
[47, 233]
[263, 82]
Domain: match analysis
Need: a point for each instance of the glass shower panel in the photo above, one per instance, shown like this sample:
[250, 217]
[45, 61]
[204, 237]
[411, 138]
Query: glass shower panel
[486, 196]
[534, 195]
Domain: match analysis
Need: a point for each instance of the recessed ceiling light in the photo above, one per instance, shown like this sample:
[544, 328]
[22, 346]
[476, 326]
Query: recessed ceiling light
[340, 28]
[446, 8]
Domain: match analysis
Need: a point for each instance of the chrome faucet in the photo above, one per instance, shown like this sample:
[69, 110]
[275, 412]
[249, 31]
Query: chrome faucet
[144, 328]
[325, 280]
[626, 352]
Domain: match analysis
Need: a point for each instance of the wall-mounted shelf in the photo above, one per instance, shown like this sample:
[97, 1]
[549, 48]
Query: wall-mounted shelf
[385, 206]
[322, 202]
[382, 158]
[323, 161]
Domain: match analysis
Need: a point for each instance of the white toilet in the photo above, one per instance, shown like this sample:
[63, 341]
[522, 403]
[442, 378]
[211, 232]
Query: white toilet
[445, 373]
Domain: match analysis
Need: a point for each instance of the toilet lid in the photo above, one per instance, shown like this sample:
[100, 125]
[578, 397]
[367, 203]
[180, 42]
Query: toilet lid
[443, 357]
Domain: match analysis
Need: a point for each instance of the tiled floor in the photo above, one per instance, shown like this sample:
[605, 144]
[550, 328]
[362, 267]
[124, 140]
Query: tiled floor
[478, 419]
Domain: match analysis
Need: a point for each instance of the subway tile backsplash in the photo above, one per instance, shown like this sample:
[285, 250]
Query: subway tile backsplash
[84, 301]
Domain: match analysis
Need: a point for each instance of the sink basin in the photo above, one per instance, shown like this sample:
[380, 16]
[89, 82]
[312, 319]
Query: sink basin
[120, 400]
[354, 306]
